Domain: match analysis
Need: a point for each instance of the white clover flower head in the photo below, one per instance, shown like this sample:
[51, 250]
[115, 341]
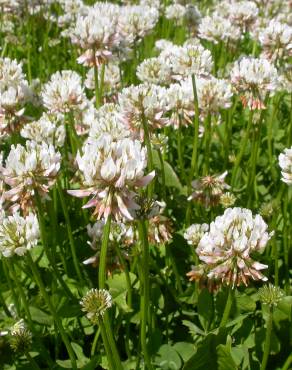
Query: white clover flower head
[254, 78]
[64, 93]
[14, 93]
[145, 101]
[47, 129]
[154, 71]
[111, 78]
[111, 170]
[243, 14]
[194, 233]
[71, 9]
[285, 162]
[18, 234]
[108, 119]
[95, 303]
[27, 169]
[213, 94]
[180, 99]
[227, 246]
[187, 60]
[96, 33]
[216, 28]
[136, 21]
[176, 12]
[163, 44]
[151, 3]
[11, 74]
[276, 41]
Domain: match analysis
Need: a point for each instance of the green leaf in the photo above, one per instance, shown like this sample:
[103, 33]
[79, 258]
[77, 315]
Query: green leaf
[206, 355]
[285, 305]
[118, 289]
[40, 316]
[69, 310]
[245, 303]
[167, 358]
[171, 178]
[205, 308]
[184, 349]
[78, 351]
[225, 360]
[193, 328]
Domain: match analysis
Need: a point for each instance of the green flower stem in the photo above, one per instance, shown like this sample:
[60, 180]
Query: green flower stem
[145, 291]
[208, 136]
[103, 253]
[174, 268]
[127, 274]
[75, 140]
[21, 293]
[180, 150]
[161, 161]
[69, 232]
[106, 345]
[290, 125]
[101, 284]
[97, 89]
[149, 153]
[94, 343]
[56, 318]
[270, 125]
[46, 247]
[112, 342]
[228, 306]
[242, 149]
[287, 363]
[194, 160]
[44, 353]
[3, 304]
[251, 184]
[101, 86]
[275, 253]
[268, 339]
[286, 227]
[11, 286]
[32, 362]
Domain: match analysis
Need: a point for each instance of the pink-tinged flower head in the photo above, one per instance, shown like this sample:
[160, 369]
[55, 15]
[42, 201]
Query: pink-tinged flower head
[140, 102]
[216, 28]
[254, 78]
[64, 93]
[96, 33]
[187, 60]
[111, 170]
[226, 249]
[276, 41]
[14, 93]
[29, 169]
[136, 21]
[243, 14]
[209, 189]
